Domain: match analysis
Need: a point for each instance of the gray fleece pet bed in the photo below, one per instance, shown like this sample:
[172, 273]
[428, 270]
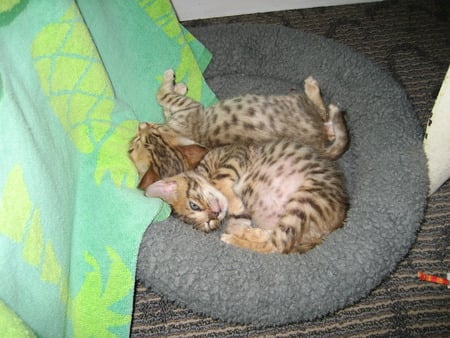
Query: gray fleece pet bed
[386, 174]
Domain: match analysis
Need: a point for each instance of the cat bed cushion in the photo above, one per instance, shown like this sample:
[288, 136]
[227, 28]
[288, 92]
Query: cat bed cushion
[386, 175]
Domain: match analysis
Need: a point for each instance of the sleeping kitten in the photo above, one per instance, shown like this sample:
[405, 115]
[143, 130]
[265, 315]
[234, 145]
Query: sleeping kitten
[248, 118]
[278, 196]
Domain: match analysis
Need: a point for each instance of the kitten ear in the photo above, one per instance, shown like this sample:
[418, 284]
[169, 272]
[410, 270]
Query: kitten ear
[143, 125]
[143, 128]
[193, 154]
[163, 189]
[149, 177]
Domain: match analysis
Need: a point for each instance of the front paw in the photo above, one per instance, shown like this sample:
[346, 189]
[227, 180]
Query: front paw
[251, 241]
[208, 226]
[312, 89]
[333, 112]
[169, 86]
[180, 89]
[238, 227]
[228, 238]
[169, 76]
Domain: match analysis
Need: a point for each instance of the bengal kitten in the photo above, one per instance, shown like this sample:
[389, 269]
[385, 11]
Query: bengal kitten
[276, 197]
[248, 118]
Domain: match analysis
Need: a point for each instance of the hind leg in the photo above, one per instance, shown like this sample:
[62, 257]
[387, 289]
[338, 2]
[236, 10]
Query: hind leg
[335, 129]
[336, 132]
[312, 91]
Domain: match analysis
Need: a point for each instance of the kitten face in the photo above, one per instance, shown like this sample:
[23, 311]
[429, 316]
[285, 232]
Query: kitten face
[193, 199]
[157, 152]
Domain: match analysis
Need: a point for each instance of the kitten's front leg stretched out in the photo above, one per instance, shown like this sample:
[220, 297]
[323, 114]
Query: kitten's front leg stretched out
[169, 89]
[244, 236]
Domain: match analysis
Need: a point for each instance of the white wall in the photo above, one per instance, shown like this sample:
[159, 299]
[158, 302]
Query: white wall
[199, 9]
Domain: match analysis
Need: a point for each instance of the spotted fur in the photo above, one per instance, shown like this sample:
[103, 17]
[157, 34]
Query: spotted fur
[247, 118]
[281, 196]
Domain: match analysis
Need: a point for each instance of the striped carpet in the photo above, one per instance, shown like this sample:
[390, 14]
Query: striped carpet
[411, 40]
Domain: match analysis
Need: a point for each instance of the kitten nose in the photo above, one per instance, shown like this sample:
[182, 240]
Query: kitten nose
[214, 213]
[214, 209]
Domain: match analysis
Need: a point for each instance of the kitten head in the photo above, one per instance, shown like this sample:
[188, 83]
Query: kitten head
[157, 152]
[193, 199]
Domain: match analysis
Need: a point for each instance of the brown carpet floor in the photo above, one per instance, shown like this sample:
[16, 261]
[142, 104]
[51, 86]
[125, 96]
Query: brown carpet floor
[411, 40]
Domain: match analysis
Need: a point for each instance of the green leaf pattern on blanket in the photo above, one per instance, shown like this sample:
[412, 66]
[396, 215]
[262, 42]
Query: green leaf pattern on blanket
[95, 291]
[93, 302]
[73, 77]
[92, 305]
[121, 171]
[188, 67]
[20, 221]
[15, 206]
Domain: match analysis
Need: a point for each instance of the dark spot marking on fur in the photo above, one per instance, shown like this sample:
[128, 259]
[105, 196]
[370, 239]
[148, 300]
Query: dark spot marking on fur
[239, 216]
[249, 126]
[271, 120]
[263, 178]
[234, 119]
[226, 108]
[221, 176]
[280, 169]
[248, 191]
[251, 111]
[297, 212]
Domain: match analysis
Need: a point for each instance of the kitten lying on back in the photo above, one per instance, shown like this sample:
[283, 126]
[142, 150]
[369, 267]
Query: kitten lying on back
[248, 118]
[278, 196]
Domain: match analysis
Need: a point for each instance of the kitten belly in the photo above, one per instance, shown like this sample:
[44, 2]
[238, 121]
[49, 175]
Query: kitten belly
[270, 196]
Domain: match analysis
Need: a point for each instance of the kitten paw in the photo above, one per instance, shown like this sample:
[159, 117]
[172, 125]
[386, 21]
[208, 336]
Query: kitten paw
[333, 112]
[238, 227]
[261, 245]
[312, 89]
[169, 75]
[167, 85]
[227, 238]
[208, 226]
[180, 89]
[311, 83]
[336, 132]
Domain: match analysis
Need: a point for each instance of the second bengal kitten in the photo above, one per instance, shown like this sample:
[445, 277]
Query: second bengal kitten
[275, 197]
[248, 118]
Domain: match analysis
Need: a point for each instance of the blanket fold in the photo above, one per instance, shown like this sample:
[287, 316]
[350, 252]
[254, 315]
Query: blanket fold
[76, 77]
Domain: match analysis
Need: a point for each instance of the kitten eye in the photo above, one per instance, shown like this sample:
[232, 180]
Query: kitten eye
[194, 206]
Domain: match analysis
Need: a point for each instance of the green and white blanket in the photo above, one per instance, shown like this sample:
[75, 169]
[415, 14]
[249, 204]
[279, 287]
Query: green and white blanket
[75, 79]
